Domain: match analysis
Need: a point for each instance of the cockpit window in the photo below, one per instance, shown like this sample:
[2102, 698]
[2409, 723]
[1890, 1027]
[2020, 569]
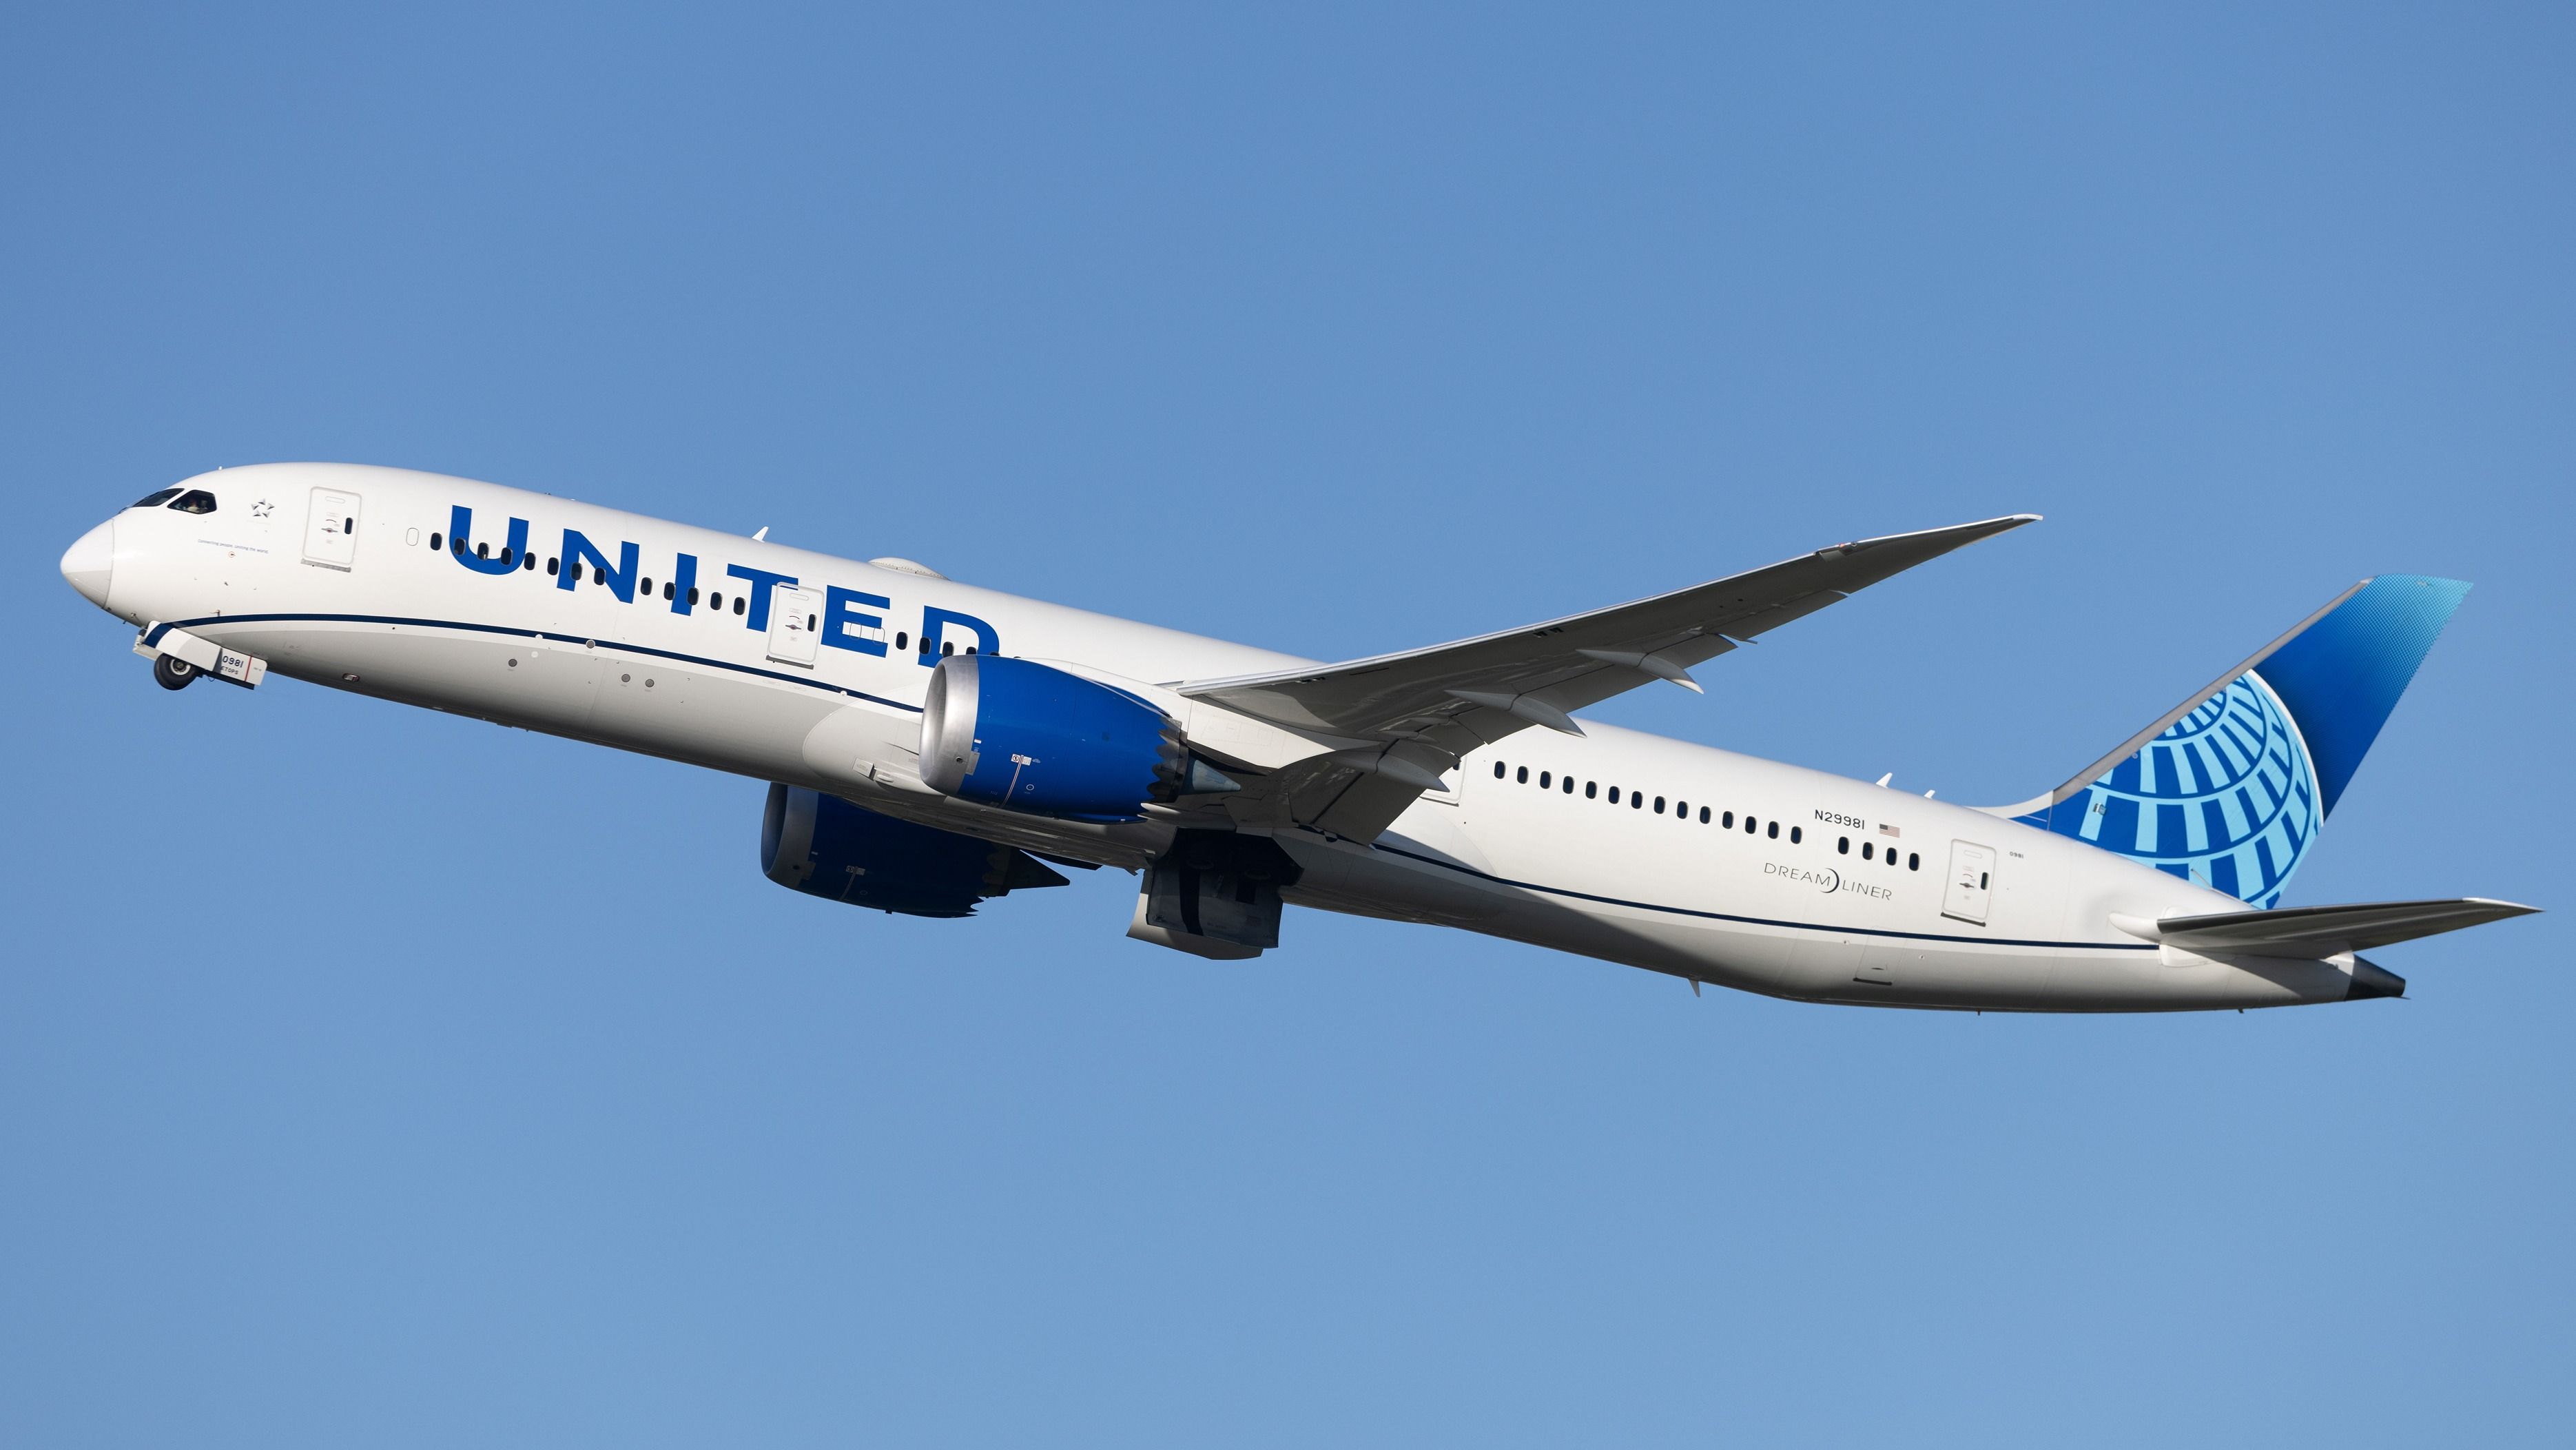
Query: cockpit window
[155, 500]
[195, 501]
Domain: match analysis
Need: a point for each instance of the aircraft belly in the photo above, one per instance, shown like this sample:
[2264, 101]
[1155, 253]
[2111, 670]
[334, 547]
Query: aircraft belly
[594, 695]
[508, 679]
[740, 725]
[1380, 885]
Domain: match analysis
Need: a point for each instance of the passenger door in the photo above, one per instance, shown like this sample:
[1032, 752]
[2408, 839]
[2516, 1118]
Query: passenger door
[331, 529]
[794, 617]
[1971, 885]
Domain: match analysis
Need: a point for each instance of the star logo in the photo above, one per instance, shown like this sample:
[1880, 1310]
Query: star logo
[260, 510]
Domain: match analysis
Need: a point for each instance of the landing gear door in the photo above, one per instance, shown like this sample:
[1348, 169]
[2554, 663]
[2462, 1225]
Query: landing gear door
[794, 618]
[331, 529]
[1971, 884]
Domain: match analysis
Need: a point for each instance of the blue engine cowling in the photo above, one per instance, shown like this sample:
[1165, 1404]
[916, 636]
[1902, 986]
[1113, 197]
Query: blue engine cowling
[825, 846]
[1015, 733]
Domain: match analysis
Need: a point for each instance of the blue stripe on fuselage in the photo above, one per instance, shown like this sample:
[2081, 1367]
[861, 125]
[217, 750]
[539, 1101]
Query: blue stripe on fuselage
[154, 638]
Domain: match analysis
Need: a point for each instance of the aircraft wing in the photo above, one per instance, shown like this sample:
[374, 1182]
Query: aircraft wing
[1419, 711]
[2323, 931]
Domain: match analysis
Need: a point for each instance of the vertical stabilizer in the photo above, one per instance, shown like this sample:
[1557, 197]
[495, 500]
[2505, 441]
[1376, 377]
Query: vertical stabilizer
[2230, 787]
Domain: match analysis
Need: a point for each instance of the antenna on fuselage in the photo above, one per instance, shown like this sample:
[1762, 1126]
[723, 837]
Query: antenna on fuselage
[761, 536]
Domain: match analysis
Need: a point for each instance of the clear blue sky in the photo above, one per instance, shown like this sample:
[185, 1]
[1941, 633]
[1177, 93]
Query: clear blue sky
[374, 1077]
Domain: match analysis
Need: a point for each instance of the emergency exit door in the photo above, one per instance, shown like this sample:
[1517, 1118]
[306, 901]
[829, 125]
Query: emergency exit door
[1972, 879]
[795, 617]
[331, 528]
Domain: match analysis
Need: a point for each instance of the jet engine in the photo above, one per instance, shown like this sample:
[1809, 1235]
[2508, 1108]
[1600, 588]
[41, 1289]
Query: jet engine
[824, 846]
[1030, 737]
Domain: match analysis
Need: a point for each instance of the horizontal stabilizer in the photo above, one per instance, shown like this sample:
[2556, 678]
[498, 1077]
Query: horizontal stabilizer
[2317, 932]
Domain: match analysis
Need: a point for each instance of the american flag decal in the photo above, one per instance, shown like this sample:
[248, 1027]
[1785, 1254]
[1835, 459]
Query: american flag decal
[1885, 829]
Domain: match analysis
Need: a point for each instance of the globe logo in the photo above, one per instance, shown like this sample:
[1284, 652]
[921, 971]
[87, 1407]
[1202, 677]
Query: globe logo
[2226, 797]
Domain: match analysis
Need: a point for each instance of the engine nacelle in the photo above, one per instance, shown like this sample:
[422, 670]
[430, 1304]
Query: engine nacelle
[1015, 733]
[825, 846]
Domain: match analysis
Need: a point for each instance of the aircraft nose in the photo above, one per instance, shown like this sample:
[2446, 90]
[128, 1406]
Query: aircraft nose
[90, 563]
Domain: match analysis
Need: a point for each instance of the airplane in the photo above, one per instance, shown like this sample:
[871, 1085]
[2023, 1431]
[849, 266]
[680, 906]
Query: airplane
[930, 745]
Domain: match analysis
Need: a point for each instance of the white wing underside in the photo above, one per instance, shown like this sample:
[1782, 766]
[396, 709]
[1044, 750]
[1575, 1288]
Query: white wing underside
[1410, 717]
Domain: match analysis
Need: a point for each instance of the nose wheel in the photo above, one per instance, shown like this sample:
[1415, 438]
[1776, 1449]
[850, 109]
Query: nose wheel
[173, 673]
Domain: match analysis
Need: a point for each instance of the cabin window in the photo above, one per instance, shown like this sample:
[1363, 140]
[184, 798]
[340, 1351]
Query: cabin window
[1981, 880]
[482, 551]
[1591, 789]
[1797, 834]
[1703, 815]
[1774, 832]
[195, 501]
[1681, 808]
[157, 498]
[1524, 775]
[434, 541]
[1614, 795]
[947, 647]
[1865, 849]
[553, 566]
[903, 641]
[1842, 846]
[668, 591]
[528, 562]
[1543, 780]
[647, 588]
[1499, 768]
[715, 601]
[1659, 805]
[1636, 800]
[693, 596]
[1913, 860]
[740, 603]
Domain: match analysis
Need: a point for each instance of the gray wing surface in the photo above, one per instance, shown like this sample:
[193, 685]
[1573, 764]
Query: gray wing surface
[1418, 712]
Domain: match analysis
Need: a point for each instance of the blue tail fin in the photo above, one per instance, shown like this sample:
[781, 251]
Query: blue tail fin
[2230, 788]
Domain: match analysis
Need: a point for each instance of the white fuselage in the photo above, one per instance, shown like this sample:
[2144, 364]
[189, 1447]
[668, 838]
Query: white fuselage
[1952, 907]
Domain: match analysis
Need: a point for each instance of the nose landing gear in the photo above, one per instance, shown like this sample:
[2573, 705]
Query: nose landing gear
[179, 657]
